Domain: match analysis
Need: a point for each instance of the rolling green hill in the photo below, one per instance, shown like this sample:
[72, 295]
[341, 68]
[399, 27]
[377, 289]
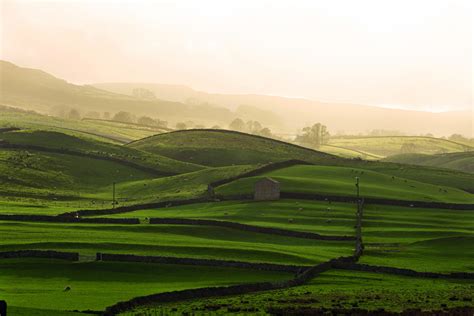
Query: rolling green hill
[106, 131]
[340, 181]
[392, 145]
[220, 148]
[223, 148]
[457, 161]
[95, 148]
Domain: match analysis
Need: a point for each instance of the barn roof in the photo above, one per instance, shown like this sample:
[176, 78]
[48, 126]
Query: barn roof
[268, 179]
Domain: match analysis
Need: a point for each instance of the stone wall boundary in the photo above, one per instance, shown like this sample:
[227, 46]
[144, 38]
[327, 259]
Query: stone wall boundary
[246, 227]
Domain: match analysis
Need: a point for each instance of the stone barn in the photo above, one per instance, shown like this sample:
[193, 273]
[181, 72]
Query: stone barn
[267, 189]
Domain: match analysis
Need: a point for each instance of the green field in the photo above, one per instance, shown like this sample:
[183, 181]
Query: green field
[457, 161]
[310, 216]
[392, 145]
[333, 289]
[181, 165]
[170, 240]
[40, 283]
[419, 239]
[340, 181]
[223, 148]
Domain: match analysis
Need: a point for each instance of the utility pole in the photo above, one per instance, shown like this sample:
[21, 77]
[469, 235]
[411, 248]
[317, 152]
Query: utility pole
[113, 195]
[357, 186]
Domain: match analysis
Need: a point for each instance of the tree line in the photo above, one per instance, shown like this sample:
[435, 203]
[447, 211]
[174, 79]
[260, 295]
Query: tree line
[121, 116]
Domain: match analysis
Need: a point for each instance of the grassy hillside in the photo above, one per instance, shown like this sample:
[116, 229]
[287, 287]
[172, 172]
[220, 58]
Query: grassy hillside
[340, 181]
[310, 216]
[392, 145]
[335, 289]
[47, 183]
[106, 131]
[412, 237]
[95, 285]
[457, 161]
[37, 90]
[170, 240]
[222, 148]
[94, 147]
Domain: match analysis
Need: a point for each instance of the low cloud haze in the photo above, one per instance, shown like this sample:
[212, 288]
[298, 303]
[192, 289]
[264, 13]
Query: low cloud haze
[405, 54]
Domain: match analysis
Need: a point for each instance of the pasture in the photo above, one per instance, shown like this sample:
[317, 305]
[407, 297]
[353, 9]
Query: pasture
[392, 145]
[41, 284]
[341, 181]
[41, 178]
[335, 289]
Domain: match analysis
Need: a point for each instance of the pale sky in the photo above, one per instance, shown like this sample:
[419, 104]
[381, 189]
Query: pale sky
[401, 53]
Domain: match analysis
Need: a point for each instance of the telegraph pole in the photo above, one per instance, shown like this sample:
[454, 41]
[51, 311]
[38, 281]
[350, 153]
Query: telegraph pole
[357, 186]
[113, 195]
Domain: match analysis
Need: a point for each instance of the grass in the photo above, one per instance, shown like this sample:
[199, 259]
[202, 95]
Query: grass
[392, 145]
[184, 186]
[29, 176]
[332, 289]
[87, 145]
[309, 216]
[340, 181]
[170, 240]
[419, 239]
[457, 161]
[223, 148]
[40, 283]
[48, 183]
[220, 148]
[113, 133]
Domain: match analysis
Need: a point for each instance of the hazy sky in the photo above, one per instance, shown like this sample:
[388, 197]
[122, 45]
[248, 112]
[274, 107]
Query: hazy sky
[413, 53]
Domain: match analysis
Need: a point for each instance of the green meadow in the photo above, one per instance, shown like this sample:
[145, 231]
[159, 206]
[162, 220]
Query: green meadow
[341, 181]
[309, 216]
[170, 240]
[41, 283]
[333, 289]
[150, 166]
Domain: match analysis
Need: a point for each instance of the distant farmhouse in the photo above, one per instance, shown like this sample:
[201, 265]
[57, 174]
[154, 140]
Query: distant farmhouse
[267, 189]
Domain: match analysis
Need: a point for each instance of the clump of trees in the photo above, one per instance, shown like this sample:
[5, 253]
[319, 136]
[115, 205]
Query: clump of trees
[251, 127]
[143, 94]
[127, 117]
[314, 136]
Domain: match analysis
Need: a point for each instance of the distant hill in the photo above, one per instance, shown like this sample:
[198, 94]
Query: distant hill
[37, 90]
[297, 112]
[457, 161]
[224, 148]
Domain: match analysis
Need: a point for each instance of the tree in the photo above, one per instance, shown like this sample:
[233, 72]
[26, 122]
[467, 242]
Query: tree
[315, 135]
[146, 120]
[123, 116]
[253, 127]
[73, 114]
[237, 125]
[106, 115]
[266, 132]
[181, 125]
